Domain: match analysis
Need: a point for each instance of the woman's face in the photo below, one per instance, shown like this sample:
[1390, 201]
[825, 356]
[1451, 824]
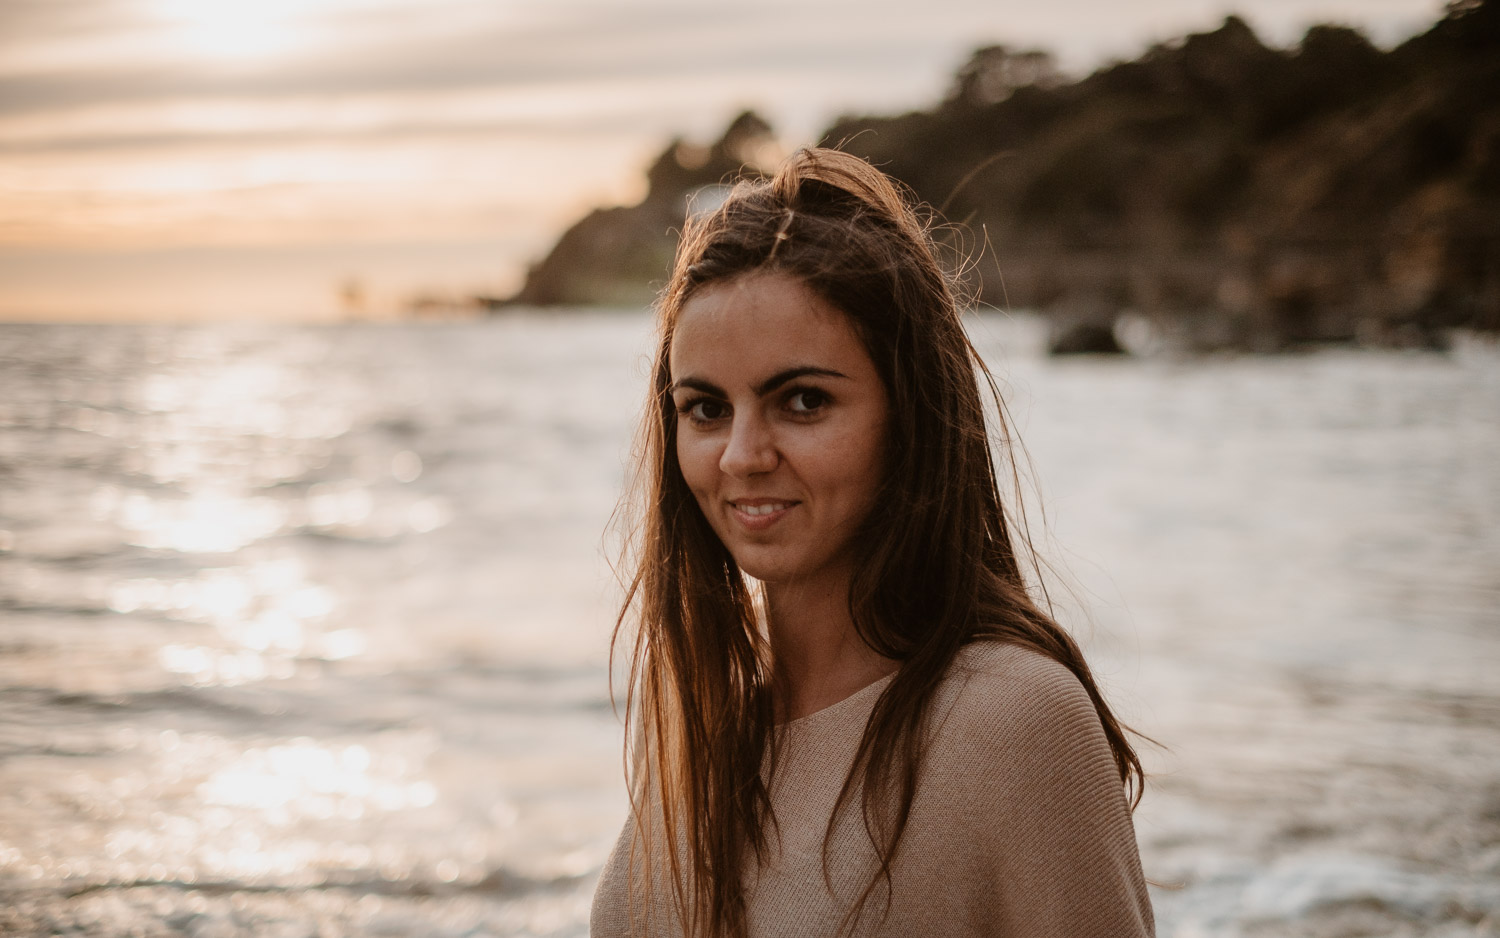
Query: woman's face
[781, 424]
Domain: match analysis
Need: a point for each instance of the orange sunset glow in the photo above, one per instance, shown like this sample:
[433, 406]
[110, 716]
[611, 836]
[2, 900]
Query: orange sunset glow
[312, 159]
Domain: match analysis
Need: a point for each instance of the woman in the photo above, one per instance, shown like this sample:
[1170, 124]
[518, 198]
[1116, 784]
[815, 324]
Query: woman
[883, 733]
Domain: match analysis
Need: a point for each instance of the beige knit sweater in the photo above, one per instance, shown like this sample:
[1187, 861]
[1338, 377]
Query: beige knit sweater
[1020, 826]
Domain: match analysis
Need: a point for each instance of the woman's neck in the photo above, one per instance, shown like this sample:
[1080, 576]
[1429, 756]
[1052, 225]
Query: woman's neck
[819, 657]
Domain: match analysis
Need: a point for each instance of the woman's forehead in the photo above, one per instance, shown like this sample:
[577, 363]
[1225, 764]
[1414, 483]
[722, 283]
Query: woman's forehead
[760, 319]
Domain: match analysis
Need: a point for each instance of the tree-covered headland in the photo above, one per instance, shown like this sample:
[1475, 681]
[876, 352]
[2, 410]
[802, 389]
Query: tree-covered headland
[1226, 193]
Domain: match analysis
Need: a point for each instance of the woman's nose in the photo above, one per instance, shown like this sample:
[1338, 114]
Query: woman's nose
[751, 448]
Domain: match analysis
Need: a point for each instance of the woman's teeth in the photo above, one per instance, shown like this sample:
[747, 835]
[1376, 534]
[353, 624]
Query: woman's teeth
[762, 509]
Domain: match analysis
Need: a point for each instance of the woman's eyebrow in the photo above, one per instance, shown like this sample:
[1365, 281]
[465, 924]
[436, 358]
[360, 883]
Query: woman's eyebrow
[765, 387]
[698, 384]
[792, 374]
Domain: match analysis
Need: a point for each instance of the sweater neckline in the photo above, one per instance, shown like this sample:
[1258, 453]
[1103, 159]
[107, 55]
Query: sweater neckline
[870, 690]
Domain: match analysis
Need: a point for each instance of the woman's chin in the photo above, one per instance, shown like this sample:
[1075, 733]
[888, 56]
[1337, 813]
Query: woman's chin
[782, 572]
[767, 569]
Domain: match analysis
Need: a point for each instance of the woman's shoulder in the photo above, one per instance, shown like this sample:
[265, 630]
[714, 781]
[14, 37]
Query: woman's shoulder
[989, 672]
[1022, 791]
[1002, 694]
[1006, 659]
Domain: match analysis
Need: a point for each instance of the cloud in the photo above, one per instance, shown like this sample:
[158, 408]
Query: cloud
[392, 55]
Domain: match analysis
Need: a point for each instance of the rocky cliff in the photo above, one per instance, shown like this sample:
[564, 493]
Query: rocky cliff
[1220, 191]
[620, 256]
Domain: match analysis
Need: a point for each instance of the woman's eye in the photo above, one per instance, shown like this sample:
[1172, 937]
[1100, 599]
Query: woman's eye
[705, 410]
[806, 400]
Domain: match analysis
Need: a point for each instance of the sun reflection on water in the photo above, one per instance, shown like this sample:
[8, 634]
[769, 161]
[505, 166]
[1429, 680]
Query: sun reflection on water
[207, 522]
[267, 615]
[303, 779]
[253, 673]
[197, 807]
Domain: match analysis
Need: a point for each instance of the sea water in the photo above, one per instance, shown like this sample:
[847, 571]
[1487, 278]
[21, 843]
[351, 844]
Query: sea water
[304, 630]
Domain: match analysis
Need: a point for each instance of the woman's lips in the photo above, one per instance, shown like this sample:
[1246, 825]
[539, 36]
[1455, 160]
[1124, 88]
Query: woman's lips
[757, 514]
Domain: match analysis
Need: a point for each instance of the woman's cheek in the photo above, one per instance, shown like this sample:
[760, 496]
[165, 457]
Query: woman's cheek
[697, 458]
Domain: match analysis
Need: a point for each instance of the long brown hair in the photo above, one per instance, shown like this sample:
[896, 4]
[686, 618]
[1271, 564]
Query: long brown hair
[935, 568]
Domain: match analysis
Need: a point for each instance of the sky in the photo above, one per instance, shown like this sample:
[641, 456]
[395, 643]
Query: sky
[321, 159]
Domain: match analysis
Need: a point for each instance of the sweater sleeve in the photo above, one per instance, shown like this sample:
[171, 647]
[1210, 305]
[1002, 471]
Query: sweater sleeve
[1049, 840]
